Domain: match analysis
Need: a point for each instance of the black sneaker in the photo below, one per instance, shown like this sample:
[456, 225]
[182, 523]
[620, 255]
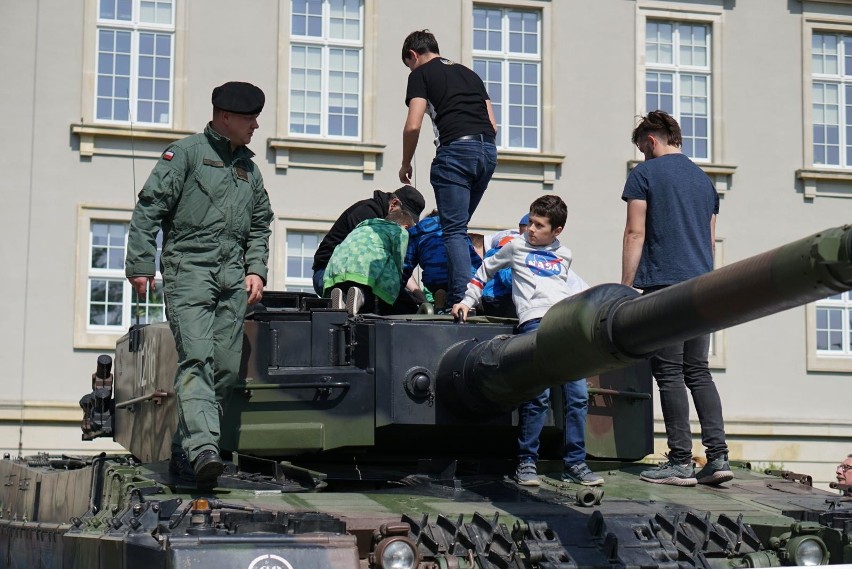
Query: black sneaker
[208, 466]
[179, 466]
[715, 471]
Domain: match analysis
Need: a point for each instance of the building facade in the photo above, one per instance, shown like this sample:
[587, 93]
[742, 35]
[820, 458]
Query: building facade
[94, 90]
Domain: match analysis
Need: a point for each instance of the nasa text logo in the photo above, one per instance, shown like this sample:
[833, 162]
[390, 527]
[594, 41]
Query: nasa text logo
[544, 263]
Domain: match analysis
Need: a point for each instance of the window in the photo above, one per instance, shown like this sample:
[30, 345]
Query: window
[326, 68]
[134, 69]
[677, 79]
[831, 99]
[111, 303]
[834, 325]
[507, 56]
[301, 246]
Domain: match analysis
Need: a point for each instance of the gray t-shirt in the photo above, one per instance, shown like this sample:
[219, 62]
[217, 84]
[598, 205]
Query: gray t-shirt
[680, 202]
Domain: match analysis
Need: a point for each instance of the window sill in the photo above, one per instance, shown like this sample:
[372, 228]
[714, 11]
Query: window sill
[528, 166]
[842, 364]
[112, 140]
[300, 153]
[813, 177]
[720, 174]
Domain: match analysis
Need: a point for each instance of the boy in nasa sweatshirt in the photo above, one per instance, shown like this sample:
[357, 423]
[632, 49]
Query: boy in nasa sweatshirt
[541, 277]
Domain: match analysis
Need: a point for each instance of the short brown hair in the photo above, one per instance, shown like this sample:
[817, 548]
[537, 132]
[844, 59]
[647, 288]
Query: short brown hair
[421, 41]
[553, 208]
[659, 124]
[400, 217]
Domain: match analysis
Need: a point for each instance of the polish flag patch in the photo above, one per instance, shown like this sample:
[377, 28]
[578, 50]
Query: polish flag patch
[168, 155]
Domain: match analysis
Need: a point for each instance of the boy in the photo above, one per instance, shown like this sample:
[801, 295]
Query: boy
[367, 265]
[541, 277]
[426, 248]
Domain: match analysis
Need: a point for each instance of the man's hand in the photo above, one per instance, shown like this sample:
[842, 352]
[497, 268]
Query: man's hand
[254, 288]
[405, 173]
[460, 311]
[140, 284]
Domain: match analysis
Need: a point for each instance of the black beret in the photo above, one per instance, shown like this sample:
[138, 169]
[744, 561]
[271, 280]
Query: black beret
[238, 97]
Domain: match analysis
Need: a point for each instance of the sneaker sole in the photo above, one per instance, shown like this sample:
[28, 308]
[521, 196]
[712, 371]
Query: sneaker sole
[717, 477]
[528, 482]
[671, 480]
[571, 480]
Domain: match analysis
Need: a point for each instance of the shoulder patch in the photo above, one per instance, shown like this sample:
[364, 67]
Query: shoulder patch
[168, 155]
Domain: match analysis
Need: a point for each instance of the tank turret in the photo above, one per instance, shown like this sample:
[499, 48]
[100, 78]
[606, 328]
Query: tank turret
[374, 442]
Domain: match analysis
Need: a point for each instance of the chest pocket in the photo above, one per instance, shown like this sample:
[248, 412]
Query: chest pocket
[241, 200]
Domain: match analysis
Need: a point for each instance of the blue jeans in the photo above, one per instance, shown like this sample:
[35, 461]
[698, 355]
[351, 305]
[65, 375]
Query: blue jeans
[677, 368]
[532, 414]
[460, 174]
[319, 274]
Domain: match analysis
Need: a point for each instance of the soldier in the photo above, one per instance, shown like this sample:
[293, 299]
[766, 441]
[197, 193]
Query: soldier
[209, 199]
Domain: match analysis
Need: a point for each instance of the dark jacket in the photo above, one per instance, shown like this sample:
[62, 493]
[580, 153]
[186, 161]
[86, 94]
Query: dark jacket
[371, 208]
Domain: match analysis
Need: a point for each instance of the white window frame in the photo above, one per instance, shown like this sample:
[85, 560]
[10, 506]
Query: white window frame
[710, 16]
[830, 360]
[135, 28]
[278, 276]
[306, 283]
[819, 180]
[842, 81]
[506, 58]
[326, 44]
[87, 335]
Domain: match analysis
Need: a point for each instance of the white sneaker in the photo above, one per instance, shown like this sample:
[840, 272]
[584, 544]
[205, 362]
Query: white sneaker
[354, 300]
[337, 299]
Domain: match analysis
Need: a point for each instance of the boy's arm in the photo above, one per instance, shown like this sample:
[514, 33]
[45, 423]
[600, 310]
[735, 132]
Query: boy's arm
[634, 239]
[410, 136]
[490, 266]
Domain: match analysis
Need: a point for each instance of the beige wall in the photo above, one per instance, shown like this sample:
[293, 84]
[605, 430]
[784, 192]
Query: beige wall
[777, 411]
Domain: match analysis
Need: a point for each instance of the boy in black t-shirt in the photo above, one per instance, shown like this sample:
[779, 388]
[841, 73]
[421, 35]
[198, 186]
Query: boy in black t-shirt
[464, 125]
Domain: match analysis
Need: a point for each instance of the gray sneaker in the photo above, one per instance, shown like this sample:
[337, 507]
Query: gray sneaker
[670, 473]
[337, 301]
[580, 473]
[526, 474]
[715, 471]
[354, 300]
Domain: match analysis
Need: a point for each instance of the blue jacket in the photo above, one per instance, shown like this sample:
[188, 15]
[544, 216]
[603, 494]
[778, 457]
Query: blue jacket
[426, 248]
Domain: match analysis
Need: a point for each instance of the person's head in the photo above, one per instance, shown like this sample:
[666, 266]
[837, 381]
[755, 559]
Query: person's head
[844, 471]
[236, 106]
[547, 219]
[419, 47]
[409, 199]
[656, 134]
[522, 224]
[401, 218]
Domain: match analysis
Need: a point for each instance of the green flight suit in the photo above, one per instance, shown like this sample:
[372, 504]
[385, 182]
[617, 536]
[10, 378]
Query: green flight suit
[215, 215]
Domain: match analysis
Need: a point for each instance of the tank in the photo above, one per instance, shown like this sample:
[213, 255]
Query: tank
[387, 442]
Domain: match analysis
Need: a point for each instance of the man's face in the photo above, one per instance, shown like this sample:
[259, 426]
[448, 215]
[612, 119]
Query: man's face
[240, 128]
[844, 472]
[646, 146]
[540, 232]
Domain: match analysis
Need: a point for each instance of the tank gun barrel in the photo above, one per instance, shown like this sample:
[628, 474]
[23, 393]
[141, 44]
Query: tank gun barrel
[612, 326]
